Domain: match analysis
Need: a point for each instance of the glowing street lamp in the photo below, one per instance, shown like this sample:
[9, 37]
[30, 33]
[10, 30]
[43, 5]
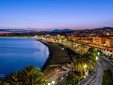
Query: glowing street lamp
[85, 66]
[98, 53]
[53, 82]
[62, 78]
[96, 58]
[84, 76]
[86, 73]
[49, 84]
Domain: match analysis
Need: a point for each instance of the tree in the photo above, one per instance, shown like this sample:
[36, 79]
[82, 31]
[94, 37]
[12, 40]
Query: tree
[72, 78]
[92, 54]
[81, 50]
[82, 65]
[107, 77]
[28, 76]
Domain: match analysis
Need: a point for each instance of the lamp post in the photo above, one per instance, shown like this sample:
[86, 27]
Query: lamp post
[49, 84]
[53, 82]
[96, 58]
[85, 66]
[98, 53]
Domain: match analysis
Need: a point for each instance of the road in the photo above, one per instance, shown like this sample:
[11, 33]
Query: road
[96, 78]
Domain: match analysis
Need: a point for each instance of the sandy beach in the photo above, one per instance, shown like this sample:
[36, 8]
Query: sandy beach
[57, 58]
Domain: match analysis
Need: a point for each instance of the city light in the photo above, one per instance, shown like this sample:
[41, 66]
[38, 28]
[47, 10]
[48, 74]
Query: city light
[62, 78]
[98, 53]
[84, 76]
[85, 66]
[86, 73]
[96, 58]
[53, 82]
[49, 84]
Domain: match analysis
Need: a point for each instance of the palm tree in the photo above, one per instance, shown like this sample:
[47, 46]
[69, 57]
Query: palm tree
[78, 66]
[93, 53]
[28, 76]
[80, 63]
[72, 78]
[81, 50]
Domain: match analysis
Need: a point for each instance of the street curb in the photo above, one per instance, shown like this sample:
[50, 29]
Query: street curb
[107, 60]
[93, 75]
[95, 71]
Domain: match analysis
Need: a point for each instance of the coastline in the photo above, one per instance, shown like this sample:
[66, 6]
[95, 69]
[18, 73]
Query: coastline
[56, 59]
[49, 56]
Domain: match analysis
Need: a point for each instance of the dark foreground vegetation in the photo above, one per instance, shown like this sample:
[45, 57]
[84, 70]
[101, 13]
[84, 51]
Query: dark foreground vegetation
[28, 76]
[107, 77]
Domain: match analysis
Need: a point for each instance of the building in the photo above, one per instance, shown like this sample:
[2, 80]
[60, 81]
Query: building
[109, 42]
[102, 40]
[99, 40]
[95, 40]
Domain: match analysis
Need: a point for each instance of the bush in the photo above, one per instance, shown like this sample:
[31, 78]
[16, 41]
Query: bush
[28, 76]
[107, 78]
[72, 78]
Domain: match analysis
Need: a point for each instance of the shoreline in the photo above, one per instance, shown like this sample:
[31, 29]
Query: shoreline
[49, 56]
[57, 58]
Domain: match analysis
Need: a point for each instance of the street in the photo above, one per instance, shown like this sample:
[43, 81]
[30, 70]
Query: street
[96, 78]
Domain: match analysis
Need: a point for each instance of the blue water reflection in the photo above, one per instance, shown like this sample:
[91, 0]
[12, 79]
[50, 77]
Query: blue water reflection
[16, 53]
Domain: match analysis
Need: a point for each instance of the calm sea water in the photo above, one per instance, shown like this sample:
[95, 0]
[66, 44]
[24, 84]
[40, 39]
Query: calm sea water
[17, 53]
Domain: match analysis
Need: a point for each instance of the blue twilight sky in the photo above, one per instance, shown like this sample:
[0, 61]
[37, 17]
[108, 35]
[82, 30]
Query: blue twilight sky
[48, 14]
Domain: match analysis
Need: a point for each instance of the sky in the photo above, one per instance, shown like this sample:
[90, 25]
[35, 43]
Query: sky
[52, 14]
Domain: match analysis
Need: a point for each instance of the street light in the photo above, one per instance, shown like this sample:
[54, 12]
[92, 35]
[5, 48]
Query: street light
[53, 82]
[49, 84]
[86, 73]
[84, 76]
[96, 58]
[98, 53]
[85, 66]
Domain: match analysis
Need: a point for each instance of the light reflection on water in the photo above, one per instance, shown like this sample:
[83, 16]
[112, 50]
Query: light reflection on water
[17, 53]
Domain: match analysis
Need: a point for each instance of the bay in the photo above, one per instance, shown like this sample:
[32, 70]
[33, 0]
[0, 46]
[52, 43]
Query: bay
[17, 53]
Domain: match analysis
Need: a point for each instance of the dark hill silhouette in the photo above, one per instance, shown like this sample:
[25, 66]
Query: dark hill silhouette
[63, 30]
